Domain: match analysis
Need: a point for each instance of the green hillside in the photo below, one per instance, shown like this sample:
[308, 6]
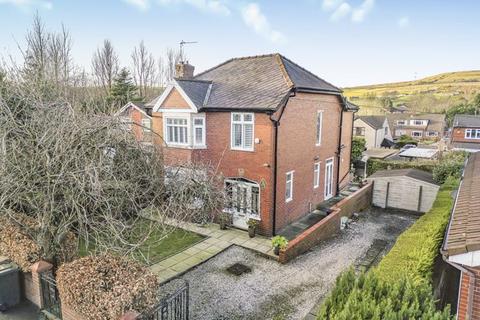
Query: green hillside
[432, 94]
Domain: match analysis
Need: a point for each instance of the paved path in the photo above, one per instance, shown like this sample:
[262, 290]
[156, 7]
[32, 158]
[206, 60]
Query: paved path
[217, 240]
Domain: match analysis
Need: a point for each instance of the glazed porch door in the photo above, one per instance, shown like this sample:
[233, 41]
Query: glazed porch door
[244, 202]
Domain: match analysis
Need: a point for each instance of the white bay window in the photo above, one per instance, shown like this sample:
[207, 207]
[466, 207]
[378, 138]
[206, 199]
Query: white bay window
[185, 130]
[242, 131]
[177, 131]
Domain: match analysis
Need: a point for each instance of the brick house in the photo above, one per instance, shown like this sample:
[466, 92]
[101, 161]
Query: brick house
[465, 134]
[428, 126]
[461, 246]
[279, 135]
[137, 117]
[374, 129]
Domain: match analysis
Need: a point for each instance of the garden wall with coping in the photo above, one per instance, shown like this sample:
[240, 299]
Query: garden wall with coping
[328, 226]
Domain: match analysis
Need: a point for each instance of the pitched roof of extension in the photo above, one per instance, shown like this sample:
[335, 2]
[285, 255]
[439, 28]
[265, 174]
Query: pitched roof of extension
[376, 122]
[196, 90]
[258, 82]
[411, 173]
[463, 232]
[466, 121]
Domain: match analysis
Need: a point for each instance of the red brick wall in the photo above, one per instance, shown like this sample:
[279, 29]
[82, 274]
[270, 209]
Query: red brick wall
[458, 135]
[345, 155]
[136, 116]
[328, 226]
[175, 101]
[463, 299]
[297, 152]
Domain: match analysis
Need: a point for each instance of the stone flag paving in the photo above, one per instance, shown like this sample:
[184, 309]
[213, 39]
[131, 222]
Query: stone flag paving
[217, 240]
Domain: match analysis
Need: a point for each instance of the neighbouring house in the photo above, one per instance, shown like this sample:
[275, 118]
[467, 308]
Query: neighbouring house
[461, 245]
[465, 134]
[406, 189]
[400, 108]
[278, 134]
[375, 130]
[137, 117]
[418, 126]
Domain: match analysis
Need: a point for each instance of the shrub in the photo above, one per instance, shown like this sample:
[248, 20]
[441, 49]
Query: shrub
[403, 140]
[106, 287]
[451, 165]
[15, 243]
[358, 146]
[374, 165]
[369, 297]
[414, 252]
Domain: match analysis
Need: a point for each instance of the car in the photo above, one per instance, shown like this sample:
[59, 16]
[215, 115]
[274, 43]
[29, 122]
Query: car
[408, 146]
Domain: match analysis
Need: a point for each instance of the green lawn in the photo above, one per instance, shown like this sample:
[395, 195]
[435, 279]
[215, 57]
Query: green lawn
[154, 249]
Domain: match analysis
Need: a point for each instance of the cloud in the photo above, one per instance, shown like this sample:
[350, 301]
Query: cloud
[256, 20]
[142, 5]
[214, 6]
[359, 14]
[27, 4]
[328, 5]
[403, 22]
[343, 10]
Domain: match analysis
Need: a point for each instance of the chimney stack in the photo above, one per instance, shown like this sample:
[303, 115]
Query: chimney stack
[184, 70]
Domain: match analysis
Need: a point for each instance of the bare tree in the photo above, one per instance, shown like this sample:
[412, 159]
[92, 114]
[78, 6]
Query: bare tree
[161, 77]
[144, 69]
[105, 65]
[172, 58]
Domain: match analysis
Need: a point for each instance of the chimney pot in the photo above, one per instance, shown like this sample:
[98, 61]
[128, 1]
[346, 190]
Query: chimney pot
[184, 70]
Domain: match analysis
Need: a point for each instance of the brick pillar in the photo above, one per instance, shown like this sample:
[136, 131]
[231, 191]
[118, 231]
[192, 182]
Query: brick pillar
[33, 290]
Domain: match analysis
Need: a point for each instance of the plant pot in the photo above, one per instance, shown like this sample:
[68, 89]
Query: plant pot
[251, 232]
[276, 250]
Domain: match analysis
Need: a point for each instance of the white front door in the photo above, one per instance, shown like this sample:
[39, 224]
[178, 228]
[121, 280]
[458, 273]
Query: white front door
[329, 178]
[244, 201]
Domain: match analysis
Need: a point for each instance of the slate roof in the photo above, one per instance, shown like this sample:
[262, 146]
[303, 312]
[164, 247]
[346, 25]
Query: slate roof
[465, 145]
[463, 232]
[466, 121]
[376, 122]
[436, 121]
[196, 90]
[258, 82]
[412, 173]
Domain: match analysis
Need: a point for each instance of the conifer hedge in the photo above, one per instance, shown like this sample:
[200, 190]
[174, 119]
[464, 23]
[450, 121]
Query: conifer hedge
[399, 287]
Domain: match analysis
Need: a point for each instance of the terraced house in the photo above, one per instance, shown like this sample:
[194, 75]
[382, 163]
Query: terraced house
[278, 134]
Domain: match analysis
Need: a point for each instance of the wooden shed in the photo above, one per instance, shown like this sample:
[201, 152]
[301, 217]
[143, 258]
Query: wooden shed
[407, 189]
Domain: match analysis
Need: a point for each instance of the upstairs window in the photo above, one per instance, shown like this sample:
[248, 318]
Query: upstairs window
[199, 131]
[177, 130]
[146, 125]
[472, 134]
[242, 131]
[360, 131]
[401, 122]
[418, 122]
[319, 128]
[289, 187]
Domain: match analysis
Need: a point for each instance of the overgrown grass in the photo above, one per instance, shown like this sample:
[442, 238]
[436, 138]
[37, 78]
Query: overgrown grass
[158, 246]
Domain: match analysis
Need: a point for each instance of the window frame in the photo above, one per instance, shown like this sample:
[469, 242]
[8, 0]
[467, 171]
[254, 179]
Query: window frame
[166, 126]
[401, 122]
[416, 131]
[316, 175]
[289, 181]
[243, 124]
[233, 204]
[472, 134]
[194, 133]
[146, 128]
[318, 128]
[361, 130]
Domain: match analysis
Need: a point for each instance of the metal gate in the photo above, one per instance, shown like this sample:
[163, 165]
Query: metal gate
[172, 307]
[49, 294]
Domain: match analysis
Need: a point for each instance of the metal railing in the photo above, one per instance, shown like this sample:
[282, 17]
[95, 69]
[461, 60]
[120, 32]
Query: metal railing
[173, 307]
[49, 295]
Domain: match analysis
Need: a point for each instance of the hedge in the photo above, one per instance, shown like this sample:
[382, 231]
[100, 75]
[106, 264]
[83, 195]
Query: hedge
[374, 165]
[415, 250]
[399, 287]
[106, 287]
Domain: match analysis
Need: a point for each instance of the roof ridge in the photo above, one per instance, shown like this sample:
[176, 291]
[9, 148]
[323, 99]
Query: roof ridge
[308, 71]
[194, 80]
[281, 65]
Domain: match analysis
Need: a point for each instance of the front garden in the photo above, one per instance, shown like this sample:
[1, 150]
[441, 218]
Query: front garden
[400, 286]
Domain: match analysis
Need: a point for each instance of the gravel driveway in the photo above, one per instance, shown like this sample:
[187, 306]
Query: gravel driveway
[275, 291]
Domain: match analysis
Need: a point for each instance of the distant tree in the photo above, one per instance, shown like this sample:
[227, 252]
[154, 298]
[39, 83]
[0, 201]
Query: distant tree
[144, 69]
[105, 66]
[472, 107]
[387, 103]
[123, 90]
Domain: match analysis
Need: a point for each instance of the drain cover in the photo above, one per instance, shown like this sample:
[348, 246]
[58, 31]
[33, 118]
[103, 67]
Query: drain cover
[238, 269]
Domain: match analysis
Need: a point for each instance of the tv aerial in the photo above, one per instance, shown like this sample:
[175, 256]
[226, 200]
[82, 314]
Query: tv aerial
[182, 45]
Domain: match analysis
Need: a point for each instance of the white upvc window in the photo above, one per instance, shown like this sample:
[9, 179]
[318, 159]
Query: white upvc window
[417, 122]
[289, 186]
[316, 175]
[432, 134]
[472, 134]
[318, 128]
[242, 131]
[199, 131]
[146, 125]
[417, 134]
[177, 131]
[401, 122]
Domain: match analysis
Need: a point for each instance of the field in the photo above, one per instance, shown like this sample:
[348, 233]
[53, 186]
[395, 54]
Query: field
[432, 94]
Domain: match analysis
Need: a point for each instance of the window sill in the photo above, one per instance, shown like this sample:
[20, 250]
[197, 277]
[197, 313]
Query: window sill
[288, 200]
[181, 146]
[244, 150]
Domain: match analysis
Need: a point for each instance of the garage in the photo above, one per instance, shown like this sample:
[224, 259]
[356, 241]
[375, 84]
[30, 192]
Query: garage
[406, 189]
